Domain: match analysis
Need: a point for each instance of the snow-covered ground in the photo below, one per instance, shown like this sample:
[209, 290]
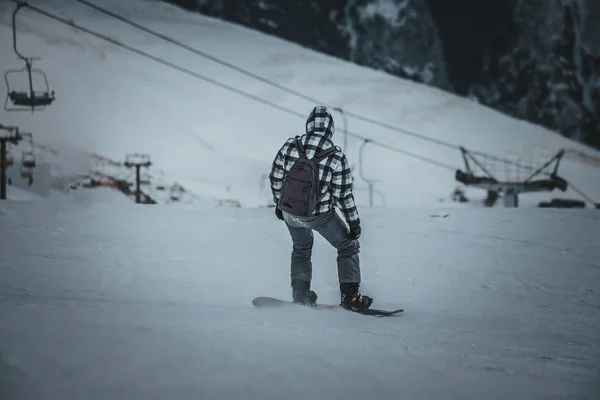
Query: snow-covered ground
[219, 144]
[101, 298]
[122, 301]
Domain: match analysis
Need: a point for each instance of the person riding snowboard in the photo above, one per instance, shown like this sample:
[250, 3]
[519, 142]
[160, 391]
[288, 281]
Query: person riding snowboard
[309, 177]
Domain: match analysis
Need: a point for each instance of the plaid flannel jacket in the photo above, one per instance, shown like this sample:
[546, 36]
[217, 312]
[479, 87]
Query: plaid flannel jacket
[335, 175]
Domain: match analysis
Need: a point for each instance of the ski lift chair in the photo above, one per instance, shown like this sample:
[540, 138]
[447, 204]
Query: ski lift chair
[145, 180]
[21, 100]
[24, 101]
[27, 173]
[9, 160]
[175, 193]
[28, 160]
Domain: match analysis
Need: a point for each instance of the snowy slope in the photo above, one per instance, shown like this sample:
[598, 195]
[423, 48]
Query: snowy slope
[218, 143]
[500, 304]
[18, 194]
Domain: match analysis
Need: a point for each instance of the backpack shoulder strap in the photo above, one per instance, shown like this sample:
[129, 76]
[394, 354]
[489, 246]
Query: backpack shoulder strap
[326, 153]
[300, 147]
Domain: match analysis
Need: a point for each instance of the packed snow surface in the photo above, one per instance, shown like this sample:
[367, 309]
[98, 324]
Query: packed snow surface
[100, 298]
[113, 300]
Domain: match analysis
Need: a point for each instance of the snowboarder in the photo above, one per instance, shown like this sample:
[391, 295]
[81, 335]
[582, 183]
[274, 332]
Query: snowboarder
[309, 177]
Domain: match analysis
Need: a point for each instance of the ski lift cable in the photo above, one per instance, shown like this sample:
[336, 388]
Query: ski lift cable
[262, 79]
[282, 87]
[223, 85]
[147, 55]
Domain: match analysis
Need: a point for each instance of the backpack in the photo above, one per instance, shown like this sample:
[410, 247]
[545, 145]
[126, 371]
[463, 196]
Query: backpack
[300, 192]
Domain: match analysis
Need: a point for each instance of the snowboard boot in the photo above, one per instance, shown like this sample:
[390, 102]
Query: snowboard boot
[352, 299]
[302, 294]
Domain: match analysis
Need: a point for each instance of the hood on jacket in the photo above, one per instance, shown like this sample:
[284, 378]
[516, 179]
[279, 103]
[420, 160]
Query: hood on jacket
[320, 122]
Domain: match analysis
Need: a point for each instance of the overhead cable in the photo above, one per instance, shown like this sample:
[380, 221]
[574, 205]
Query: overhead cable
[263, 79]
[220, 84]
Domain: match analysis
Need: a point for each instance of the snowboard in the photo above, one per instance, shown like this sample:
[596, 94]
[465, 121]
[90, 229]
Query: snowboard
[270, 302]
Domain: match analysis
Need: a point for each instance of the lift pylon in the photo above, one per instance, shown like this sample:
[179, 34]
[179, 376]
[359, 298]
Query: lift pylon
[518, 179]
[12, 136]
[137, 161]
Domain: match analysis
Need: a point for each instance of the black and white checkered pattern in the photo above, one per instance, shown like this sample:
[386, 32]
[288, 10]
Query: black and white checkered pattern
[334, 172]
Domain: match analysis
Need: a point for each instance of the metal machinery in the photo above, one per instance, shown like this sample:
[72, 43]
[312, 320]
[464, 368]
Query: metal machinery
[519, 178]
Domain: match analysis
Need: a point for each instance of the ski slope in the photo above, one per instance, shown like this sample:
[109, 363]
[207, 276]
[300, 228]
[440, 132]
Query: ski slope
[219, 144]
[101, 298]
[155, 302]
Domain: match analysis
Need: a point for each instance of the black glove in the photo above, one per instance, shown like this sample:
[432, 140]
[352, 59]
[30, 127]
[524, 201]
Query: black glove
[354, 231]
[279, 213]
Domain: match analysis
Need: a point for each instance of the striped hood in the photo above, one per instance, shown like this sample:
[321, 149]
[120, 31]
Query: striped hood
[320, 123]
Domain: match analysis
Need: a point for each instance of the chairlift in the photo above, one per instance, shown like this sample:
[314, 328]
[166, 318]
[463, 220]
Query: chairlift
[9, 160]
[28, 160]
[175, 193]
[22, 100]
[28, 156]
[145, 180]
[26, 172]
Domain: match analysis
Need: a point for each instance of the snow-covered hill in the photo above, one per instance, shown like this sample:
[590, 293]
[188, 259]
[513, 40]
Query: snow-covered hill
[101, 298]
[120, 301]
[219, 144]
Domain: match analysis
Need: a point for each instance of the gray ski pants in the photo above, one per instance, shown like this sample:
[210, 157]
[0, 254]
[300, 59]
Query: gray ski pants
[332, 228]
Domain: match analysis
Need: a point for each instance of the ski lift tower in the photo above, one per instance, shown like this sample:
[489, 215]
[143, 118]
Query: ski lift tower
[24, 100]
[137, 161]
[370, 182]
[480, 170]
[12, 136]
